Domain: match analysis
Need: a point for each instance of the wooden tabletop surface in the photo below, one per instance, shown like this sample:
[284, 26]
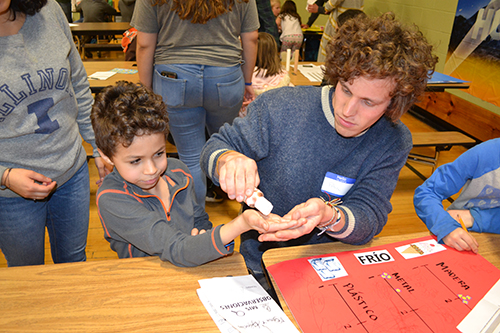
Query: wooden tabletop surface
[104, 66]
[104, 28]
[300, 80]
[489, 248]
[296, 76]
[120, 295]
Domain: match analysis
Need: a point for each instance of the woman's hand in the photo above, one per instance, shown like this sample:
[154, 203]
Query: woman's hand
[29, 184]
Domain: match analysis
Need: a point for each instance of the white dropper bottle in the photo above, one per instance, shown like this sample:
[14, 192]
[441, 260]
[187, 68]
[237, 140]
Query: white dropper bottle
[257, 200]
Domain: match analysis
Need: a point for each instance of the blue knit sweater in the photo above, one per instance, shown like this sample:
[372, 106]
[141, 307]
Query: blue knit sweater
[290, 133]
[477, 173]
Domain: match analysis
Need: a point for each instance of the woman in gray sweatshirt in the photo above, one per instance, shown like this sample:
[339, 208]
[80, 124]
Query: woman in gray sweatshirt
[45, 104]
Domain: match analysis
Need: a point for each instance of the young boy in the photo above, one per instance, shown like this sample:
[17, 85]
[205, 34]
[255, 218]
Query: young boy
[477, 173]
[147, 204]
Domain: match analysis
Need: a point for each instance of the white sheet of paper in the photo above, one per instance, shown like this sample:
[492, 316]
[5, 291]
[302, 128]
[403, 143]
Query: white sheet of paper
[485, 317]
[312, 72]
[223, 325]
[244, 304]
[310, 2]
[101, 75]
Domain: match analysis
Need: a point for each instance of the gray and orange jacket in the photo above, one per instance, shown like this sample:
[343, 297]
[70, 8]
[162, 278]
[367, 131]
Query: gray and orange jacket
[136, 223]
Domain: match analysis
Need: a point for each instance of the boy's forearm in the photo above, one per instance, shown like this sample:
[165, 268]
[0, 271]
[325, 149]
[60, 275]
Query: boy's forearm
[233, 229]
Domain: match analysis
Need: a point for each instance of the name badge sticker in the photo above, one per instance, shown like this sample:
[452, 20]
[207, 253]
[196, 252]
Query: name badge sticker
[336, 185]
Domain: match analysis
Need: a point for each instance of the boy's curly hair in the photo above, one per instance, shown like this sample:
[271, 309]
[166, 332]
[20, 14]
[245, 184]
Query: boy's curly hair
[380, 48]
[124, 111]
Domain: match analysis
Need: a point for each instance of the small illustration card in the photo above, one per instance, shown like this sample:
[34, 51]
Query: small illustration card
[416, 250]
[328, 268]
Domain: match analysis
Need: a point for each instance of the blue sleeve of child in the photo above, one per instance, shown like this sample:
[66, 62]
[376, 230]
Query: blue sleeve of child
[486, 220]
[446, 181]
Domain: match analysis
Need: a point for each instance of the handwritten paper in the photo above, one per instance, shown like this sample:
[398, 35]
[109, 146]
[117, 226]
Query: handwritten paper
[310, 2]
[312, 72]
[240, 304]
[101, 75]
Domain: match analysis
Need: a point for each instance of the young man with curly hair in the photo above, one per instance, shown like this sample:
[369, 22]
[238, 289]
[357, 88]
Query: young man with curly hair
[306, 145]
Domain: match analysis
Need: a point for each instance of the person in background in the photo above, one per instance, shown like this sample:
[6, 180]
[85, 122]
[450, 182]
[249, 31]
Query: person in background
[66, 7]
[328, 156]
[126, 8]
[147, 205]
[46, 102]
[347, 15]
[267, 19]
[288, 22]
[276, 7]
[333, 8]
[195, 60]
[314, 16]
[477, 174]
[96, 10]
[268, 73]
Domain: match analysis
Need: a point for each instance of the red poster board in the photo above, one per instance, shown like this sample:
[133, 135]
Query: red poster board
[429, 293]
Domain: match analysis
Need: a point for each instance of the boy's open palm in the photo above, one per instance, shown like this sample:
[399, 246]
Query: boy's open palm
[267, 224]
[306, 215]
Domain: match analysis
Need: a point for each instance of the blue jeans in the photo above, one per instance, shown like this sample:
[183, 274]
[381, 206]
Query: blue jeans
[65, 213]
[201, 98]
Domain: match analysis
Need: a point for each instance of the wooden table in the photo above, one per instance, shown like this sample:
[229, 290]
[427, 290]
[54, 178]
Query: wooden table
[300, 80]
[310, 34]
[99, 28]
[489, 248]
[103, 66]
[119, 295]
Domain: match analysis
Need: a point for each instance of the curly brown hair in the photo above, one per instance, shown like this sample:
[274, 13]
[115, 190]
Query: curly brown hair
[380, 48]
[124, 111]
[199, 11]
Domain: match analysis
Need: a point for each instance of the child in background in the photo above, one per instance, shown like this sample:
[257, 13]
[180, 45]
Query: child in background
[289, 22]
[276, 7]
[477, 173]
[147, 205]
[268, 73]
[334, 9]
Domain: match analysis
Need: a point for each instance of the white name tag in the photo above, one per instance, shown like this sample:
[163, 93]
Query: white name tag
[336, 185]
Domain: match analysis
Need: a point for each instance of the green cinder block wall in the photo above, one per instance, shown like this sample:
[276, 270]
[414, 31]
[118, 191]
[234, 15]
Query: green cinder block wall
[433, 17]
